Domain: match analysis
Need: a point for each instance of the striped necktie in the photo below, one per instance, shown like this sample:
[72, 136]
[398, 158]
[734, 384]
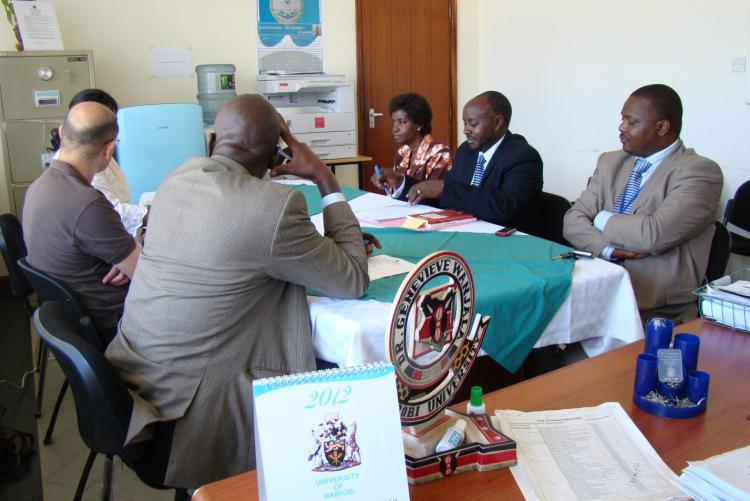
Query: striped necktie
[624, 202]
[476, 180]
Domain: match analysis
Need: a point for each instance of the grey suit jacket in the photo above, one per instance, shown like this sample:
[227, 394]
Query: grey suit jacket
[218, 300]
[672, 219]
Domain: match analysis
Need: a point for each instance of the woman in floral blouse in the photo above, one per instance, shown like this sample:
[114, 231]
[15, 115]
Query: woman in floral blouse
[419, 157]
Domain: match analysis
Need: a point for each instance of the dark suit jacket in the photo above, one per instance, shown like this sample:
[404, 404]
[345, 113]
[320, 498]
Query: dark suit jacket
[510, 188]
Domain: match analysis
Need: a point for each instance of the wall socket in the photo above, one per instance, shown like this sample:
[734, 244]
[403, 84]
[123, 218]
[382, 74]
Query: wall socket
[739, 64]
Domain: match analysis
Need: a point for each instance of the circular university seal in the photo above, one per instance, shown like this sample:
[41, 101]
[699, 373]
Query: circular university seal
[432, 338]
[286, 11]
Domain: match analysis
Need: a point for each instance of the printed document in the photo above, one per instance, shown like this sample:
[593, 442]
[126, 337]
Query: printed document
[585, 454]
[382, 266]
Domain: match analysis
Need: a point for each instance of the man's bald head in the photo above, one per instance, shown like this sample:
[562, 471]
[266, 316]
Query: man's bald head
[87, 128]
[247, 130]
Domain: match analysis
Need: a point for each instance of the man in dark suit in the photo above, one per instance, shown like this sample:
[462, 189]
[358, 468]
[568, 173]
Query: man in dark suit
[496, 175]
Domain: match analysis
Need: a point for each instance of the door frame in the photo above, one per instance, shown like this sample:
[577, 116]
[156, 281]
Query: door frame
[362, 118]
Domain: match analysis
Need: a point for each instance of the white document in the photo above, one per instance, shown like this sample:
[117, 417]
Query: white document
[585, 454]
[725, 476]
[373, 207]
[37, 23]
[170, 62]
[382, 266]
[385, 213]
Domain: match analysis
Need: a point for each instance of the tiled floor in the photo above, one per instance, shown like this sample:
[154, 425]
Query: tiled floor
[63, 459]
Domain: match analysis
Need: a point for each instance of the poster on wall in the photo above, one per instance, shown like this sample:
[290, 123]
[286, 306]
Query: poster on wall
[289, 37]
[38, 25]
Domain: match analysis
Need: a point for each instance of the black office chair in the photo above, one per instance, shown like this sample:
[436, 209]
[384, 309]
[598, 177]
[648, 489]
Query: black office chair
[13, 248]
[50, 289]
[553, 211]
[737, 213]
[103, 403]
[719, 255]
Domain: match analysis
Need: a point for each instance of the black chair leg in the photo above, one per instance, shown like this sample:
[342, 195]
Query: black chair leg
[107, 480]
[51, 426]
[39, 348]
[84, 476]
[42, 373]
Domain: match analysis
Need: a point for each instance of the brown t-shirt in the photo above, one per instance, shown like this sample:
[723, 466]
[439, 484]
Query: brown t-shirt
[73, 233]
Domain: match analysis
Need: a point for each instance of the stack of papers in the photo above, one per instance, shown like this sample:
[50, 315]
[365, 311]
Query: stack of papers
[736, 292]
[727, 302]
[726, 476]
[583, 454]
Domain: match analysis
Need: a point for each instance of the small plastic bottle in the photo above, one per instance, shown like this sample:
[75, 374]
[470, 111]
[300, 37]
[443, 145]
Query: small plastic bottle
[453, 437]
[475, 405]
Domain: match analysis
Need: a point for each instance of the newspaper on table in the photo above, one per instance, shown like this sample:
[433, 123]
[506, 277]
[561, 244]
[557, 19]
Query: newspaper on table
[586, 453]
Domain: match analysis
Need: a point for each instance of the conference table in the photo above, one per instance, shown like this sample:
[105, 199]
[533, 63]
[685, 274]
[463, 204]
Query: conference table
[724, 354]
[600, 311]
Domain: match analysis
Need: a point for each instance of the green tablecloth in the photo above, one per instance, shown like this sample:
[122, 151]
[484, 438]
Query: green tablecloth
[312, 196]
[516, 282]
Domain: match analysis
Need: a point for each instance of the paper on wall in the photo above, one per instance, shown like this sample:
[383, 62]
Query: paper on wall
[38, 25]
[175, 62]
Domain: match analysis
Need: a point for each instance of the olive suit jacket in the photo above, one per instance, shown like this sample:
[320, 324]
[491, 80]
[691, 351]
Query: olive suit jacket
[672, 219]
[218, 300]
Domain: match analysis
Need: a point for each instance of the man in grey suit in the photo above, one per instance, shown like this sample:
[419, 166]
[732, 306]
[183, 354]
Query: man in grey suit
[219, 297]
[651, 206]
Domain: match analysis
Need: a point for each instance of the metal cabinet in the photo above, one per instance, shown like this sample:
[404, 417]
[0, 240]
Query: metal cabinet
[35, 89]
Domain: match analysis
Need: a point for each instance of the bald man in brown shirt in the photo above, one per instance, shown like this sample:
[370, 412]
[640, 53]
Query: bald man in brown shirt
[71, 230]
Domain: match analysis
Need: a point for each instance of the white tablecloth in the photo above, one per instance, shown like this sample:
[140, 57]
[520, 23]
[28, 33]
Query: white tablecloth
[600, 311]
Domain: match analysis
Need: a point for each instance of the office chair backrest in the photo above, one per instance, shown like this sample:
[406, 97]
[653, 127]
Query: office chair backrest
[13, 248]
[721, 246]
[50, 289]
[553, 211]
[737, 211]
[103, 404]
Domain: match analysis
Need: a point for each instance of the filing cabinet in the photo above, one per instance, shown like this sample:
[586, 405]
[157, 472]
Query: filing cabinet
[35, 89]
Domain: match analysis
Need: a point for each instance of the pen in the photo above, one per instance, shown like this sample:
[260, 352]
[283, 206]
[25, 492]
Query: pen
[385, 188]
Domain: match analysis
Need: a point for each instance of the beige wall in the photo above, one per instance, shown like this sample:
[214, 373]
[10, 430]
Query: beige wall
[567, 67]
[122, 33]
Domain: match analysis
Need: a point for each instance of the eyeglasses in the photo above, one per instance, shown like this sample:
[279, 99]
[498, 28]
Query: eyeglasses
[117, 141]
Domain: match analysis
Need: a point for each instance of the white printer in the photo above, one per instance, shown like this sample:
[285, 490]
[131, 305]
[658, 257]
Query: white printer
[318, 108]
